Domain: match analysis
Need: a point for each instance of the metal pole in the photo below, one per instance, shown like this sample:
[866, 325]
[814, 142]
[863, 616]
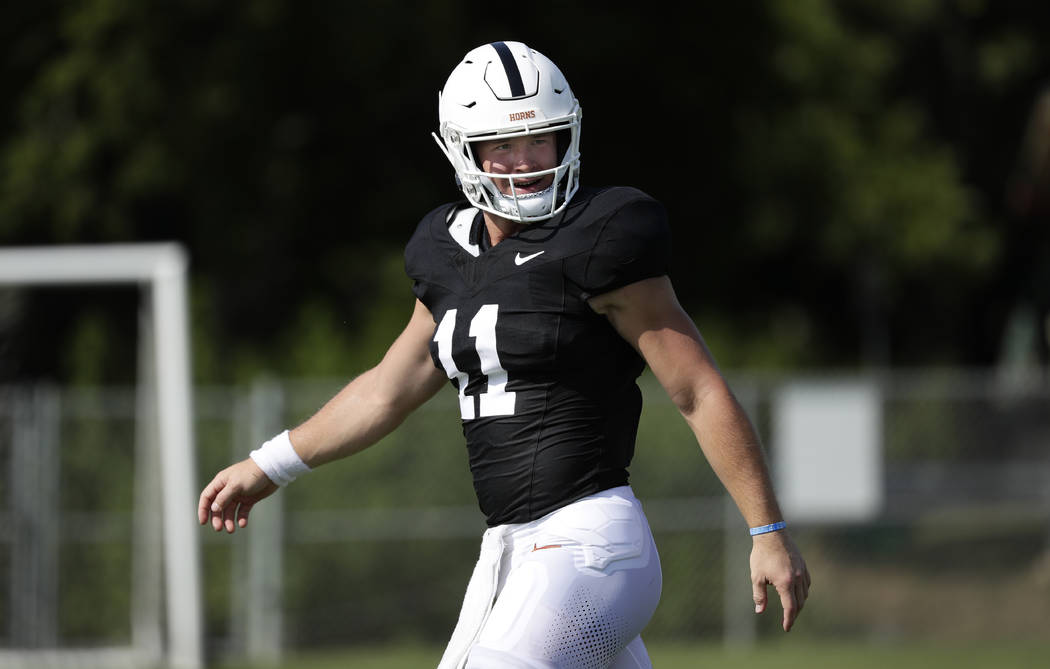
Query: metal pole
[147, 540]
[34, 496]
[181, 547]
[265, 633]
[738, 608]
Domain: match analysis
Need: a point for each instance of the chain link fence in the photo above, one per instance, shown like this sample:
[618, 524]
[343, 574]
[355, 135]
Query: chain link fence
[379, 548]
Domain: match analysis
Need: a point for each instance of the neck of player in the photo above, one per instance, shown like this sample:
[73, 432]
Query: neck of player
[500, 228]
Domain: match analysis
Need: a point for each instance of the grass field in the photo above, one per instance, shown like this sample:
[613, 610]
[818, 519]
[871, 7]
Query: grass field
[786, 655]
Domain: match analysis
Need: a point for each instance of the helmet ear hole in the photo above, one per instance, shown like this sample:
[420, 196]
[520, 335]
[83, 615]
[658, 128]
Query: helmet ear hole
[472, 155]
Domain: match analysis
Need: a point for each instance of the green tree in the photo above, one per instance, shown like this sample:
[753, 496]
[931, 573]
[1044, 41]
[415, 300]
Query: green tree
[834, 170]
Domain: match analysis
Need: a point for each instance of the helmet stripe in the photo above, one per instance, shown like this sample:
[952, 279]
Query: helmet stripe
[517, 88]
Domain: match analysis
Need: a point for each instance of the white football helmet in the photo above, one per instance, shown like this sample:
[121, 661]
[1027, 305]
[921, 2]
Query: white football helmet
[506, 89]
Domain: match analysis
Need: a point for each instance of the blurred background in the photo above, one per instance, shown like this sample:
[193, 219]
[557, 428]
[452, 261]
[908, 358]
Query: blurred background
[859, 194]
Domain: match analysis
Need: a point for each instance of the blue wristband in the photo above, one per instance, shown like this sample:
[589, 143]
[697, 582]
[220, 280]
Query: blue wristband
[772, 527]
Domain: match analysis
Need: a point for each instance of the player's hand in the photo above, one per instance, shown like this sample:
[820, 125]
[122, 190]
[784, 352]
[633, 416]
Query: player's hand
[230, 496]
[776, 561]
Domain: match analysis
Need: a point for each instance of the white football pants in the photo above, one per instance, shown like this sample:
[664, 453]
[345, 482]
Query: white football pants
[571, 590]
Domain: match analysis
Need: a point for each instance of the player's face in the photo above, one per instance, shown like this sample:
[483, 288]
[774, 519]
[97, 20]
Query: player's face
[519, 155]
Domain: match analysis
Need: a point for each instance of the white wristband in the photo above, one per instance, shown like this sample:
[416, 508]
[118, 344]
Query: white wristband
[279, 460]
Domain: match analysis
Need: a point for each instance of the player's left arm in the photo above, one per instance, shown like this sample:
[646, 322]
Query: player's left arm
[647, 314]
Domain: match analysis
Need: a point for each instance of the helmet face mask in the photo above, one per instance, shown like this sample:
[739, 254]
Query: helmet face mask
[501, 91]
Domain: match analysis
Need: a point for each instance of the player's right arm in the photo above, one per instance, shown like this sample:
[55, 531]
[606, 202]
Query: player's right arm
[364, 411]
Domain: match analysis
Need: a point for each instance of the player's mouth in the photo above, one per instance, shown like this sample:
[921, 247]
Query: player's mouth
[531, 185]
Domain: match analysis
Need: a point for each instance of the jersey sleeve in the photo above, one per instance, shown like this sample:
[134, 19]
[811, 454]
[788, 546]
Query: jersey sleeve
[633, 244]
[419, 256]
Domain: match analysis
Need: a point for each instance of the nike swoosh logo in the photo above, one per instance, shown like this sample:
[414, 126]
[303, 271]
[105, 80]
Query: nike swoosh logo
[521, 260]
[540, 548]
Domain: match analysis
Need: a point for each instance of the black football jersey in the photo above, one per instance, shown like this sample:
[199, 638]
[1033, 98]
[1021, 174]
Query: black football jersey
[547, 388]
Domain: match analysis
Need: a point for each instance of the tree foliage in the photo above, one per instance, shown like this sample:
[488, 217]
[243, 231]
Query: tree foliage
[835, 171]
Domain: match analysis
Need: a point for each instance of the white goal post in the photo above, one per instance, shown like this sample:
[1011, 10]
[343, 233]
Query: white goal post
[160, 270]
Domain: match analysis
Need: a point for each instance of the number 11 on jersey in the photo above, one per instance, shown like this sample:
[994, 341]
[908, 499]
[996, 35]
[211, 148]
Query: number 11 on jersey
[495, 401]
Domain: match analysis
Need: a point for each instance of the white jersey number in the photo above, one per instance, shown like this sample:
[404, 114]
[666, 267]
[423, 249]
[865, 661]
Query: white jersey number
[495, 401]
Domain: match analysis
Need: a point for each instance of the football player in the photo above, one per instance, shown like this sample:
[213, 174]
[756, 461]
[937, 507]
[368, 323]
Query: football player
[541, 301]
